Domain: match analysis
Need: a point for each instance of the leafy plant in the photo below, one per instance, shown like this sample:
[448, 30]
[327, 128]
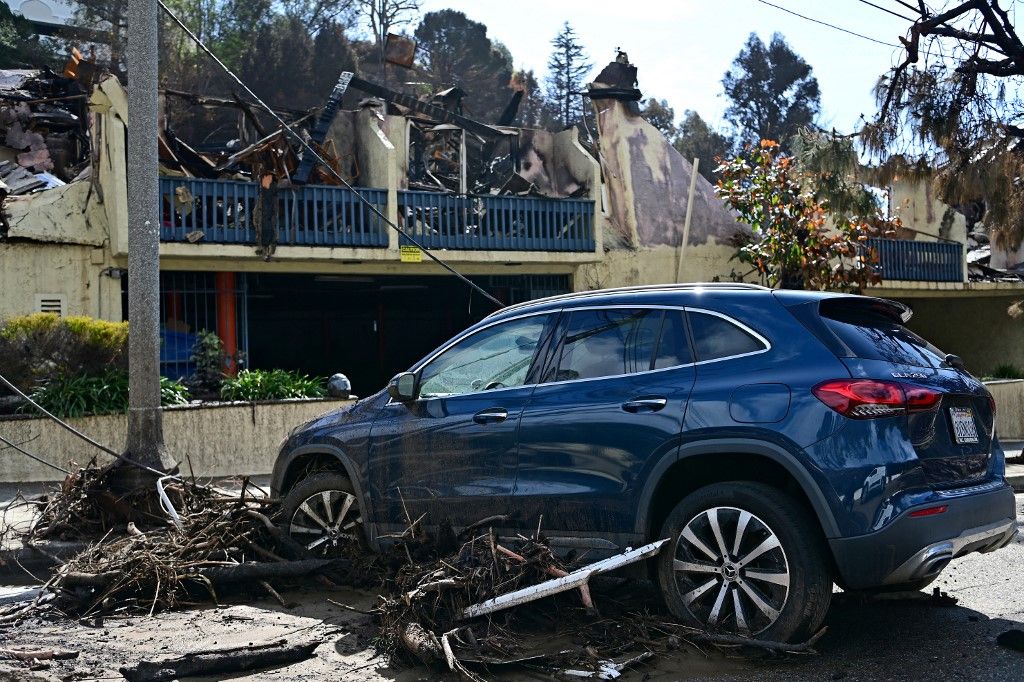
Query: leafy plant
[794, 245]
[107, 393]
[1007, 371]
[40, 347]
[210, 360]
[173, 392]
[274, 384]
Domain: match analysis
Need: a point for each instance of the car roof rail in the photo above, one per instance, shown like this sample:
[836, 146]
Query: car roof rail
[683, 286]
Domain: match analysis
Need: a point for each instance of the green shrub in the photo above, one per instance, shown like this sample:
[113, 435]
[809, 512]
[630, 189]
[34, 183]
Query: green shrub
[107, 393]
[274, 384]
[173, 392]
[32, 325]
[210, 359]
[100, 334]
[1007, 372]
[41, 347]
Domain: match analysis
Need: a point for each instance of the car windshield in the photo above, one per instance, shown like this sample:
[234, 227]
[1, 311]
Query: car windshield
[496, 357]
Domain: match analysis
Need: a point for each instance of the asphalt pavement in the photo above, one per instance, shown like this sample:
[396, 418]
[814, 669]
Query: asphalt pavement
[912, 637]
[906, 636]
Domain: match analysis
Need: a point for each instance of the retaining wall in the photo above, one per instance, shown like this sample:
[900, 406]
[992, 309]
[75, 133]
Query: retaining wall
[1009, 395]
[223, 439]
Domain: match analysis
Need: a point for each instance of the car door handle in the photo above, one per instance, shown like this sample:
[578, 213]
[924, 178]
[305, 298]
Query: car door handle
[645, 405]
[493, 415]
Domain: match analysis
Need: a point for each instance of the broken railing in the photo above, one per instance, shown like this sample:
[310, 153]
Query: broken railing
[503, 223]
[233, 212]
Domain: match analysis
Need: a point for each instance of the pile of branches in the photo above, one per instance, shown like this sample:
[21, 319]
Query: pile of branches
[202, 540]
[84, 507]
[421, 618]
[424, 620]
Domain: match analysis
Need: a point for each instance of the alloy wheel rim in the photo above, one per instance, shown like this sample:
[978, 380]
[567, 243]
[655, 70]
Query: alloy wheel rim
[326, 521]
[731, 571]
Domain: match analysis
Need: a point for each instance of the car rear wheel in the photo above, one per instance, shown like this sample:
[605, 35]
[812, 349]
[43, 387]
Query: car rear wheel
[322, 514]
[745, 558]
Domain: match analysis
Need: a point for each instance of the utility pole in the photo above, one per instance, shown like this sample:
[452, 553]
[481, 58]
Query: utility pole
[145, 442]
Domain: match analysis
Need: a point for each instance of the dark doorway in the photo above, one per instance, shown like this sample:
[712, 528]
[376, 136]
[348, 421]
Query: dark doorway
[369, 327]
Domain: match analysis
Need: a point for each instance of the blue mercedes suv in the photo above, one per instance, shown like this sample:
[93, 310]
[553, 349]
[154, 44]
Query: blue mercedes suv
[782, 440]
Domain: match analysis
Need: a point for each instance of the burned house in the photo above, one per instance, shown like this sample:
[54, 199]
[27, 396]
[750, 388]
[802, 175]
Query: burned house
[292, 268]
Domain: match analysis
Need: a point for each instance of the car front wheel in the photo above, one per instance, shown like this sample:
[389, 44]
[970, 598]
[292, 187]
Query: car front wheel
[322, 514]
[745, 558]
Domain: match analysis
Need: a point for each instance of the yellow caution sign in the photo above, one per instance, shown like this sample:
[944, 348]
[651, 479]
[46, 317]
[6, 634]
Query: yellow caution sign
[411, 254]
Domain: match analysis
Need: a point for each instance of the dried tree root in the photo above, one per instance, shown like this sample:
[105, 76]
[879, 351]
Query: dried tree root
[421, 643]
[221, 661]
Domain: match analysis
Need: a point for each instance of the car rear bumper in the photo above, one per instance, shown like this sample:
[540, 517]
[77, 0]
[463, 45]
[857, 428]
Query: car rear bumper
[910, 549]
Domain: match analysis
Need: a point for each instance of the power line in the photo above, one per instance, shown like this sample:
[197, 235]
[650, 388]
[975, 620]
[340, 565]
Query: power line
[309, 150]
[825, 23]
[887, 11]
[908, 6]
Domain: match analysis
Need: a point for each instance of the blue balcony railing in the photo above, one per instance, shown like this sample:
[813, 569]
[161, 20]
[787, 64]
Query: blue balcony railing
[501, 223]
[909, 260]
[228, 211]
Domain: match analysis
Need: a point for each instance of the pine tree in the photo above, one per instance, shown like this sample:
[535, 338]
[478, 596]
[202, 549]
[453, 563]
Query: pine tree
[772, 91]
[567, 68]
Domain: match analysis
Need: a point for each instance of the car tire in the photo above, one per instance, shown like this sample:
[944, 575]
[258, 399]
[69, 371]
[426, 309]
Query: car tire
[782, 592]
[310, 515]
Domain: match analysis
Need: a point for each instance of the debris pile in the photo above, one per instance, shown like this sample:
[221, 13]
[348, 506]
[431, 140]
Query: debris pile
[468, 603]
[201, 541]
[426, 611]
[44, 119]
[979, 256]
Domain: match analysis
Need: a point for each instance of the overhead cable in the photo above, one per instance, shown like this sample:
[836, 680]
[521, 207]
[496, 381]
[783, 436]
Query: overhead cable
[825, 23]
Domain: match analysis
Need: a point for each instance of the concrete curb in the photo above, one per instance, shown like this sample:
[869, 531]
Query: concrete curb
[1015, 474]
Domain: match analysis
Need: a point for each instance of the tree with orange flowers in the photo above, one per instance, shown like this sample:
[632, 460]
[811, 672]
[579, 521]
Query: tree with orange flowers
[797, 242]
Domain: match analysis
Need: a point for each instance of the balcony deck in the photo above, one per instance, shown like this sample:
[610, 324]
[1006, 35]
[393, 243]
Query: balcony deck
[919, 261]
[228, 211]
[497, 223]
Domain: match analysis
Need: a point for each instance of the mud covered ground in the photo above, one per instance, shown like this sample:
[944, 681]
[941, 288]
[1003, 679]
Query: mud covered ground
[900, 637]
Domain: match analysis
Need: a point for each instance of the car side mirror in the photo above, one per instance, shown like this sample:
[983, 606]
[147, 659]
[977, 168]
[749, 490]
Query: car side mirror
[403, 387]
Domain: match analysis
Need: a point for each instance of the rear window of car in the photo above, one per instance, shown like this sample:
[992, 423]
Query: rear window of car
[715, 338]
[872, 334]
[601, 343]
[674, 346]
[617, 341]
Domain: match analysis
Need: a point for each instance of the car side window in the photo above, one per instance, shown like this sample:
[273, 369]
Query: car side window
[716, 337]
[674, 346]
[495, 357]
[601, 343]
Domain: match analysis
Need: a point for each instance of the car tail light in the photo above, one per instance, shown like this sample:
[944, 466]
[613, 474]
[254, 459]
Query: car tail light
[870, 399]
[992, 404]
[929, 511]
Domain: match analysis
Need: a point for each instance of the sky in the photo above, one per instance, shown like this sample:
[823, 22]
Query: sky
[683, 48]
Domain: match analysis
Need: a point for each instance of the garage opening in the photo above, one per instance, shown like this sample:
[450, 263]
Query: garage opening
[366, 326]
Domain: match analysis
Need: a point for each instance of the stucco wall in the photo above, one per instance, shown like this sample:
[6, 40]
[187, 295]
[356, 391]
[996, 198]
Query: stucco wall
[915, 204]
[1009, 396]
[74, 271]
[975, 328]
[648, 184]
[221, 440]
[657, 265]
[66, 214]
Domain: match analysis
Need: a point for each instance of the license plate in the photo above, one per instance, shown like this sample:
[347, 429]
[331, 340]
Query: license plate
[963, 425]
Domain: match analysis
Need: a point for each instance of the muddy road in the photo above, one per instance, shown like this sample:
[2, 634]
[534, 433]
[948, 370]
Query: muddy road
[898, 637]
